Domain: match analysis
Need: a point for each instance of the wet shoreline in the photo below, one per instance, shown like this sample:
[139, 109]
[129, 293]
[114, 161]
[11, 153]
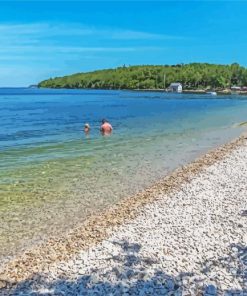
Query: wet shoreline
[101, 225]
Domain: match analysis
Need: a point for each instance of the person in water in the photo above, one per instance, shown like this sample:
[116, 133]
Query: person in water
[86, 128]
[106, 128]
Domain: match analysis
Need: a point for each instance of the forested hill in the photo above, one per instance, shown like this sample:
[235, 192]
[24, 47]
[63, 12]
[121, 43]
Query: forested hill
[192, 76]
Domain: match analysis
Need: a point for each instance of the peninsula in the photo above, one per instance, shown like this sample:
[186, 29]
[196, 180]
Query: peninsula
[194, 76]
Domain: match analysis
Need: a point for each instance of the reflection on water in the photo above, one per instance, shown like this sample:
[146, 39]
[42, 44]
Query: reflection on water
[52, 175]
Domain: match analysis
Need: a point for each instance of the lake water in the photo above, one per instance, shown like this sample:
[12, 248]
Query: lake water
[52, 176]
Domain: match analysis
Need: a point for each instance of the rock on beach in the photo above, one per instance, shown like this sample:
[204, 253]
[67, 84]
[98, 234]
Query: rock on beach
[190, 241]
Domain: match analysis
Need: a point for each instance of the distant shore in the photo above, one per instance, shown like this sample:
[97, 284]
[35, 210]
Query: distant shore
[193, 76]
[197, 91]
[161, 90]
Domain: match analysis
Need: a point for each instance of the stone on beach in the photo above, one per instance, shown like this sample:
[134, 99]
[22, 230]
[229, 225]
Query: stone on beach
[190, 241]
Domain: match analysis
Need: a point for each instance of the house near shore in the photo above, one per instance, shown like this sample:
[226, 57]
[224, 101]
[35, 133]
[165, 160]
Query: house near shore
[235, 88]
[176, 87]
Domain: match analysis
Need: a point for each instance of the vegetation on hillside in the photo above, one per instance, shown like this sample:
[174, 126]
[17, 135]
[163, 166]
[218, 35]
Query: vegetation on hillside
[192, 76]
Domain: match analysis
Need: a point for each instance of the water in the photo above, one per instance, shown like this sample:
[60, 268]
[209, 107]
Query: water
[52, 176]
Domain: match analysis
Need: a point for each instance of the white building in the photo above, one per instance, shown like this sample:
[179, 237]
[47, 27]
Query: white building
[176, 87]
[236, 88]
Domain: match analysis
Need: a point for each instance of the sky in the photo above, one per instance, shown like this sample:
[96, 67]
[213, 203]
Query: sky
[43, 39]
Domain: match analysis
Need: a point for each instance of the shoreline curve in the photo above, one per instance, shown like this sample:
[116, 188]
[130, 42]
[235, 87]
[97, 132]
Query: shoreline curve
[101, 225]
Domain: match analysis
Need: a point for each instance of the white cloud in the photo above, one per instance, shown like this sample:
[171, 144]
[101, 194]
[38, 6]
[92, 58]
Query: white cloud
[135, 35]
[24, 49]
[41, 30]
[33, 51]
[57, 54]
[39, 38]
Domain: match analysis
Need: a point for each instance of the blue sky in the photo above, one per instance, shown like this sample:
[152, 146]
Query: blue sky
[42, 39]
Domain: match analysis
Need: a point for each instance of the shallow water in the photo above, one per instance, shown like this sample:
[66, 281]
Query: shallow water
[52, 176]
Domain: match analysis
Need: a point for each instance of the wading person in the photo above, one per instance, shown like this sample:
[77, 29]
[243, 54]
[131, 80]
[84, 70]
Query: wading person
[106, 128]
[86, 128]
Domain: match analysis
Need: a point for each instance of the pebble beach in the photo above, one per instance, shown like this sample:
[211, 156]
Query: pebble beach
[185, 235]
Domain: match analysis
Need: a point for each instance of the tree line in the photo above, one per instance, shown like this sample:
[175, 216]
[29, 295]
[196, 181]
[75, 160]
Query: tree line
[192, 76]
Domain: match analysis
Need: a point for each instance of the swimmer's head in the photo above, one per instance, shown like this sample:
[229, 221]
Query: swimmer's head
[87, 125]
[104, 121]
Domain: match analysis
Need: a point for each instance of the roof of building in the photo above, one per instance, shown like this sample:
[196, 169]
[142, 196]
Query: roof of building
[175, 84]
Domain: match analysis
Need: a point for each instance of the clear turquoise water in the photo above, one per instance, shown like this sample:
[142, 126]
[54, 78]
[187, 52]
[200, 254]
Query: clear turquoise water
[52, 176]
